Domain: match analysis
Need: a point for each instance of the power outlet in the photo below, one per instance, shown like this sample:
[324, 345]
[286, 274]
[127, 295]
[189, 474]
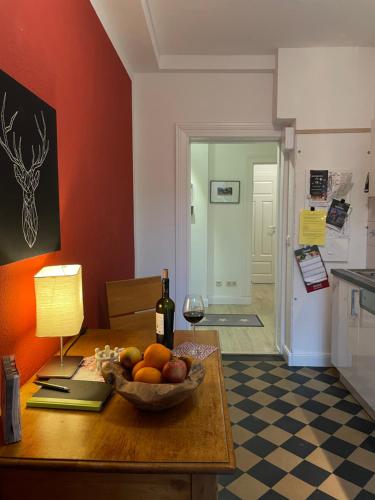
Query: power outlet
[219, 283]
[231, 283]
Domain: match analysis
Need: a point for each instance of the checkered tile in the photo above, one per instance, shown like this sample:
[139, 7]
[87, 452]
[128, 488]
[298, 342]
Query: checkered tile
[298, 434]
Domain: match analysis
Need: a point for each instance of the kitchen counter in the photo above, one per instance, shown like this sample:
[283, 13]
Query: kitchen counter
[354, 276]
[353, 329]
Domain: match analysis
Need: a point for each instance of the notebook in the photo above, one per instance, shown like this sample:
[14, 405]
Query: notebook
[83, 395]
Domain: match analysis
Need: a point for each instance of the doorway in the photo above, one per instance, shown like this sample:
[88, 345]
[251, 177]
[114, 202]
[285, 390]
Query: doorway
[233, 244]
[186, 133]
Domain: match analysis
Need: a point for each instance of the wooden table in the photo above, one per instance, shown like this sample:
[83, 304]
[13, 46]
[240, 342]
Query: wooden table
[123, 452]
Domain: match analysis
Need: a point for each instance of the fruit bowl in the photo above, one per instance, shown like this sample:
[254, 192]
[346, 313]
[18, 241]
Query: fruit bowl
[152, 397]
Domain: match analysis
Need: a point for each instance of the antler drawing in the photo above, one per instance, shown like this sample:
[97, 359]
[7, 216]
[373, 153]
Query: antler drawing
[28, 179]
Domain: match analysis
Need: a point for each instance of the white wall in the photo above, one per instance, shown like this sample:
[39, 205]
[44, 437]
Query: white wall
[229, 235]
[198, 256]
[160, 101]
[326, 88]
[221, 234]
[312, 312]
[320, 88]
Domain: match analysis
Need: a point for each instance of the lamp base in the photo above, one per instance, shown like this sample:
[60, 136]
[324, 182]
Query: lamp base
[54, 369]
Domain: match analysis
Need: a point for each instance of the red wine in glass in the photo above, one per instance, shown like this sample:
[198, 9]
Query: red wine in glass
[193, 316]
[193, 311]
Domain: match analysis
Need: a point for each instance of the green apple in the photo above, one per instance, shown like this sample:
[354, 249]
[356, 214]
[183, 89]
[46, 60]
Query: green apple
[130, 356]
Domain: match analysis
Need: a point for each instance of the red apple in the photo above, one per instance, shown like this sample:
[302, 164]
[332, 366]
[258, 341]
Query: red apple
[174, 371]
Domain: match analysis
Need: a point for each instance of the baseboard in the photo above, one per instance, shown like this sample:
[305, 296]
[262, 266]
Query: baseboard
[285, 353]
[306, 358]
[215, 299]
[250, 357]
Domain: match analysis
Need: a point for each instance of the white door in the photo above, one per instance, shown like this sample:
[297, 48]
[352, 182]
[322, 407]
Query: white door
[264, 223]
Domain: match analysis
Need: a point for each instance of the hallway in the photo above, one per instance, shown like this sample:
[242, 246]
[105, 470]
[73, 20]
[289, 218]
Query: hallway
[259, 340]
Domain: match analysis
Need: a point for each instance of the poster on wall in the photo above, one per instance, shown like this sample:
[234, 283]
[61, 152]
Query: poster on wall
[318, 184]
[29, 195]
[339, 186]
[337, 214]
[321, 191]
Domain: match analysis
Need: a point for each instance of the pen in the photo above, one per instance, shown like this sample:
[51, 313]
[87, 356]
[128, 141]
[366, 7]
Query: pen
[48, 385]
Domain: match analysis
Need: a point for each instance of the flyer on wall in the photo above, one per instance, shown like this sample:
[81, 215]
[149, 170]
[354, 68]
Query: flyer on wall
[318, 185]
[337, 214]
[312, 268]
[312, 227]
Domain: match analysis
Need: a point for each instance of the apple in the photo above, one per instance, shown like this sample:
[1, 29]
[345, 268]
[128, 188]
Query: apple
[130, 356]
[174, 371]
[188, 360]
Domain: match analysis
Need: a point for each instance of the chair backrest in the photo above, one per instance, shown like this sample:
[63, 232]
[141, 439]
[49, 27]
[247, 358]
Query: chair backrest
[127, 297]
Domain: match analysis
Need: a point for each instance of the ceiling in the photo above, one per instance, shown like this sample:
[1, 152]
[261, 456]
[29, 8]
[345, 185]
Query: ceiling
[156, 35]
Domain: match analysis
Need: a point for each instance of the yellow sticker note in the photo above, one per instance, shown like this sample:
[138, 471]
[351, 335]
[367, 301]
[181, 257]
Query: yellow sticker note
[312, 227]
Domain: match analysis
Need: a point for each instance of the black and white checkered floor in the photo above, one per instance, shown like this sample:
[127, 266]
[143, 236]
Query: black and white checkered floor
[298, 434]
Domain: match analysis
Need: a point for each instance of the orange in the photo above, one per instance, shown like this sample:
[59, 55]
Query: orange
[156, 355]
[137, 366]
[149, 375]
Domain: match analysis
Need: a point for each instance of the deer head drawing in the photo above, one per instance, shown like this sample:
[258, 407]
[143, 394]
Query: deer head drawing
[27, 178]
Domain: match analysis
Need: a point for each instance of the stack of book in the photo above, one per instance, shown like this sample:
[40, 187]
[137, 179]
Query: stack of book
[10, 400]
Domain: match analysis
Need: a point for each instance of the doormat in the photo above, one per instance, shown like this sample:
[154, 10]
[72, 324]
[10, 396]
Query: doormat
[244, 320]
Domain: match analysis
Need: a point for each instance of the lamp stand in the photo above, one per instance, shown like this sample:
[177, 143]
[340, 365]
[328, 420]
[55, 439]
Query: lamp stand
[60, 366]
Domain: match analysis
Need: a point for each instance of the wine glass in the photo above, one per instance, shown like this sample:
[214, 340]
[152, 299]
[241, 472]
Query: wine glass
[193, 312]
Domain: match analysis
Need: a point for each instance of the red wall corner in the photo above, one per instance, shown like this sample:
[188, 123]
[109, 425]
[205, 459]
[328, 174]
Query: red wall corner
[60, 51]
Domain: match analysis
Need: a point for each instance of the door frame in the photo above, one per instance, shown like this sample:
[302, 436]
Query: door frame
[216, 132]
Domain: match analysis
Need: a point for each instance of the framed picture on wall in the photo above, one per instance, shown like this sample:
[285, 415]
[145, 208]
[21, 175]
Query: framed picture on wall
[224, 191]
[29, 190]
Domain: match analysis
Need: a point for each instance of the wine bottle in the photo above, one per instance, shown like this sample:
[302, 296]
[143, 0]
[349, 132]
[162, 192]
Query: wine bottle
[165, 314]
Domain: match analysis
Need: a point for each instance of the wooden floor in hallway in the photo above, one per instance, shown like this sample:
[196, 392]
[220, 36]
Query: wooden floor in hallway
[242, 340]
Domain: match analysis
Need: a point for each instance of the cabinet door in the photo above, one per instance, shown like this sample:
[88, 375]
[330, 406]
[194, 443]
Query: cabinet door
[364, 368]
[345, 311]
[352, 314]
[339, 329]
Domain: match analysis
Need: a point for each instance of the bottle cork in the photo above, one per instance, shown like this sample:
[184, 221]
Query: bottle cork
[164, 274]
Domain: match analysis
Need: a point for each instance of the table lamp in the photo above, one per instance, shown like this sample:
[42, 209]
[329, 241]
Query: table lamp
[59, 313]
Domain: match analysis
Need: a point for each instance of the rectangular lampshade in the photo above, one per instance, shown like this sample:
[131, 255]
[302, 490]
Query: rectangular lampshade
[59, 303]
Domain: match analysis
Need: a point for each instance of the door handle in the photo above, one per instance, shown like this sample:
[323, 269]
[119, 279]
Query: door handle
[353, 304]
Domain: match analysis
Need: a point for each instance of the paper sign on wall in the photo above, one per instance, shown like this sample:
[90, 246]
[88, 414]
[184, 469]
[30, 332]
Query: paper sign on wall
[312, 268]
[312, 227]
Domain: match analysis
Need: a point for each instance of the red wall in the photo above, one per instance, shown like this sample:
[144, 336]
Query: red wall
[59, 50]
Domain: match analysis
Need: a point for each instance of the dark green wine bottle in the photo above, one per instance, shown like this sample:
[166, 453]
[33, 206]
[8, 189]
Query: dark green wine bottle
[165, 314]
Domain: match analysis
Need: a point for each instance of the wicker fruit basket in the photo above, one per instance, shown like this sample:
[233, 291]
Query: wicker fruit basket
[153, 397]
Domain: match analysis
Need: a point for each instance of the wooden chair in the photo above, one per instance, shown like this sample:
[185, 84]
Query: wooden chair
[131, 303]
